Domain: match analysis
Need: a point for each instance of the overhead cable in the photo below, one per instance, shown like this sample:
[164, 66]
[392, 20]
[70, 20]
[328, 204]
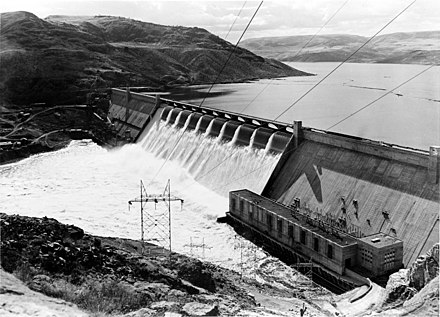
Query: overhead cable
[350, 56]
[369, 104]
[184, 130]
[232, 25]
[268, 84]
[297, 53]
[231, 53]
[385, 94]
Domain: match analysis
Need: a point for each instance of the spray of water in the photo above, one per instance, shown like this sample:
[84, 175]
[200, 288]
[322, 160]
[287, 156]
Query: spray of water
[88, 186]
[212, 162]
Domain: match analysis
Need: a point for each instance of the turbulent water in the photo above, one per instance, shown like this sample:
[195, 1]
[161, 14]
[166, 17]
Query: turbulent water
[218, 165]
[89, 186]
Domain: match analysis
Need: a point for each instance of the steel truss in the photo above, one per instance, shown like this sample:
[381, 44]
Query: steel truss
[155, 224]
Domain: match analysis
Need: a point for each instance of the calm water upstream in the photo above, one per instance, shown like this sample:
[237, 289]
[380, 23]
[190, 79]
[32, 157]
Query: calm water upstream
[410, 116]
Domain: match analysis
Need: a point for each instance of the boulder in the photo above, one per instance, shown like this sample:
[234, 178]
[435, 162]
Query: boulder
[163, 305]
[192, 289]
[208, 298]
[197, 273]
[199, 309]
[75, 233]
[176, 294]
[171, 314]
[156, 290]
[424, 269]
[397, 289]
[143, 312]
[42, 283]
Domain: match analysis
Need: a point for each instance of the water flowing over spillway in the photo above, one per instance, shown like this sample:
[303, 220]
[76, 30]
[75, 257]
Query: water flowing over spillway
[88, 186]
[216, 164]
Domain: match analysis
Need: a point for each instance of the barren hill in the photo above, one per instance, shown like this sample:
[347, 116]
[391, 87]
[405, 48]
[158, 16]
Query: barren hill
[60, 58]
[398, 48]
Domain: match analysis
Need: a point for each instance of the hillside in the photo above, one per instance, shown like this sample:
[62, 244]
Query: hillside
[61, 58]
[106, 276]
[395, 48]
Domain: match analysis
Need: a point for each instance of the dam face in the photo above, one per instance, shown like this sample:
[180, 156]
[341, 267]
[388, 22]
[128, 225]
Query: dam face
[369, 186]
[132, 113]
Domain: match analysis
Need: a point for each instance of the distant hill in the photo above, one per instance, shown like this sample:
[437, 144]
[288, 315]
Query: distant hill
[60, 58]
[398, 48]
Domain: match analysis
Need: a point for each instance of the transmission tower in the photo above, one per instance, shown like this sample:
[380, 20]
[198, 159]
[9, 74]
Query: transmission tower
[248, 256]
[155, 224]
[192, 245]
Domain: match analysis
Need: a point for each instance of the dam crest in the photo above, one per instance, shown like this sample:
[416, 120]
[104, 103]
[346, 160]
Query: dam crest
[363, 186]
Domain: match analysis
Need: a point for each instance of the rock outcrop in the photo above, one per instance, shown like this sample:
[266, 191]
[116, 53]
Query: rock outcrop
[407, 286]
[110, 274]
[19, 300]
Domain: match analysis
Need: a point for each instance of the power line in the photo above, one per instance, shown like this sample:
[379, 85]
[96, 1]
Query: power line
[350, 56]
[184, 130]
[385, 94]
[232, 52]
[268, 84]
[299, 51]
[288, 108]
[369, 104]
[235, 20]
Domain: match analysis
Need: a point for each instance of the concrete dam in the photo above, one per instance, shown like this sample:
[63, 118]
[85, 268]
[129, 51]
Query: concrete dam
[362, 188]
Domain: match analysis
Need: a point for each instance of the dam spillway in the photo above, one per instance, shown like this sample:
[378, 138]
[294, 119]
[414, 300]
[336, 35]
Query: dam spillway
[212, 156]
[372, 186]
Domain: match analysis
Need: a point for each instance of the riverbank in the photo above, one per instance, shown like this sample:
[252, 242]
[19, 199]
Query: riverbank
[109, 276]
[27, 130]
[112, 276]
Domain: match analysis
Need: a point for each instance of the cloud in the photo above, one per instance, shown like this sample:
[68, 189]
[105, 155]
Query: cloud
[275, 18]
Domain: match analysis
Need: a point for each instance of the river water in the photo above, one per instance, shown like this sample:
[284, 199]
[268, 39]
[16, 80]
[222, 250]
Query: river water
[89, 186]
[410, 116]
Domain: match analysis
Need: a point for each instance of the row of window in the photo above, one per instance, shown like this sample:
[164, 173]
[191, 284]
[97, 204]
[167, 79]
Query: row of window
[366, 256]
[389, 257]
[279, 227]
[389, 260]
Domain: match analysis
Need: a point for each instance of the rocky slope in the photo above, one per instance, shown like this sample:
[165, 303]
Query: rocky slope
[89, 275]
[111, 276]
[395, 48]
[59, 59]
[415, 290]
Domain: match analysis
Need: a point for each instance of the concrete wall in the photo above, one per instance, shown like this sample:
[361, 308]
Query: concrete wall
[375, 259]
[256, 216]
[395, 189]
[131, 111]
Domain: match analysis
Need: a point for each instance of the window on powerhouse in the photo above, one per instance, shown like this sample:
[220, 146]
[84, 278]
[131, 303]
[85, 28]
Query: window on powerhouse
[330, 251]
[302, 237]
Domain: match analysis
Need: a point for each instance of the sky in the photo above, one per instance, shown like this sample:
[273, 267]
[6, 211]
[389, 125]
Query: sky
[228, 19]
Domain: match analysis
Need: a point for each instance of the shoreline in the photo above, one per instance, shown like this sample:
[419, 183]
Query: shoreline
[63, 261]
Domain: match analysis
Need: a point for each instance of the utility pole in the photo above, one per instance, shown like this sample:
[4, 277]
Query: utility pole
[155, 224]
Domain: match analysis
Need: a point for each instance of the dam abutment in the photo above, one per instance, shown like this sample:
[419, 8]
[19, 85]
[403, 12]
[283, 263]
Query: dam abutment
[362, 185]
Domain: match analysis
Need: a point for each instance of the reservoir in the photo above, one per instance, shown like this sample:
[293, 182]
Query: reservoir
[409, 117]
[89, 186]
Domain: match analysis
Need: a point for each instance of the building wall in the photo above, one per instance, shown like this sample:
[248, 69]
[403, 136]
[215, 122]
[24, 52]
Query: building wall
[383, 180]
[257, 216]
[380, 260]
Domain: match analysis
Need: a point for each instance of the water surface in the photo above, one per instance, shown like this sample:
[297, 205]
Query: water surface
[410, 116]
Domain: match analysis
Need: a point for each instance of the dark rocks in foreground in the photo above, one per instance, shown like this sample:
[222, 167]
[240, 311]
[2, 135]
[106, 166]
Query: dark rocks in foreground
[62, 261]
